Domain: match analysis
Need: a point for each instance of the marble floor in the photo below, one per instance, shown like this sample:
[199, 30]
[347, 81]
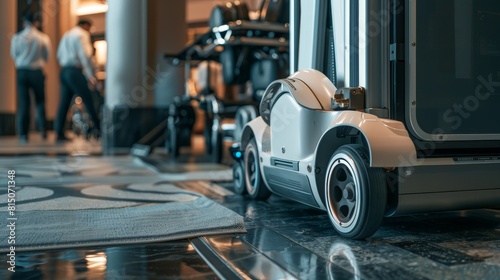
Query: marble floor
[284, 239]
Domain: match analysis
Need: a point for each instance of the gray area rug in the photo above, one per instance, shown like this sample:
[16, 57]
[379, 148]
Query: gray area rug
[84, 215]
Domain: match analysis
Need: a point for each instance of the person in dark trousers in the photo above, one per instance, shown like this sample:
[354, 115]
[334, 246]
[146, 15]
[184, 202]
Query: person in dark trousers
[77, 75]
[30, 49]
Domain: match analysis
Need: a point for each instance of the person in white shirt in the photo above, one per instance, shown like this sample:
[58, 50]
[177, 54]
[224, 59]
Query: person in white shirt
[30, 51]
[77, 75]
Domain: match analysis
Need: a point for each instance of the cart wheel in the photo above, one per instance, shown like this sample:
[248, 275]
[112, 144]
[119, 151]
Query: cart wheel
[172, 137]
[255, 185]
[356, 194]
[207, 133]
[184, 137]
[239, 178]
[217, 147]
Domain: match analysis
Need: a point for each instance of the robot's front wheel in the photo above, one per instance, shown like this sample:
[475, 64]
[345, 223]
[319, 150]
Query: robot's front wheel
[255, 185]
[356, 194]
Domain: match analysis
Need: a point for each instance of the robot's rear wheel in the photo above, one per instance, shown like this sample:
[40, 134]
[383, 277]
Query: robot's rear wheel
[255, 185]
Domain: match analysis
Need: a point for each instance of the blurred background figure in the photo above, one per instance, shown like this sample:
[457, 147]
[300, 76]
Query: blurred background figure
[77, 75]
[30, 49]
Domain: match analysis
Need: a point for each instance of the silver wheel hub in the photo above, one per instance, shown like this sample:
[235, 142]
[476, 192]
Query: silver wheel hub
[348, 192]
[342, 192]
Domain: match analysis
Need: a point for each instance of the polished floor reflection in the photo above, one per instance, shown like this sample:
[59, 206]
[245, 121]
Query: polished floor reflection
[284, 239]
[174, 260]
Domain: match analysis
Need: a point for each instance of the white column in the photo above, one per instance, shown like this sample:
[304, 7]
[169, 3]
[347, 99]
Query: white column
[138, 78]
[138, 34]
[126, 35]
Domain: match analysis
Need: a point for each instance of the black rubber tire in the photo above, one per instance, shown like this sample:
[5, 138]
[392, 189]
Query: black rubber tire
[239, 178]
[254, 183]
[223, 14]
[207, 133]
[242, 11]
[217, 148]
[228, 59]
[235, 62]
[355, 193]
[220, 15]
[172, 140]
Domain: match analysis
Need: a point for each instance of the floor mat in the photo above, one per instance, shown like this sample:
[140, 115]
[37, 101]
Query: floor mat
[82, 215]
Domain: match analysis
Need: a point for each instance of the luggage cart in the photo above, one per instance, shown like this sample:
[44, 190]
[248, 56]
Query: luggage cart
[242, 47]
